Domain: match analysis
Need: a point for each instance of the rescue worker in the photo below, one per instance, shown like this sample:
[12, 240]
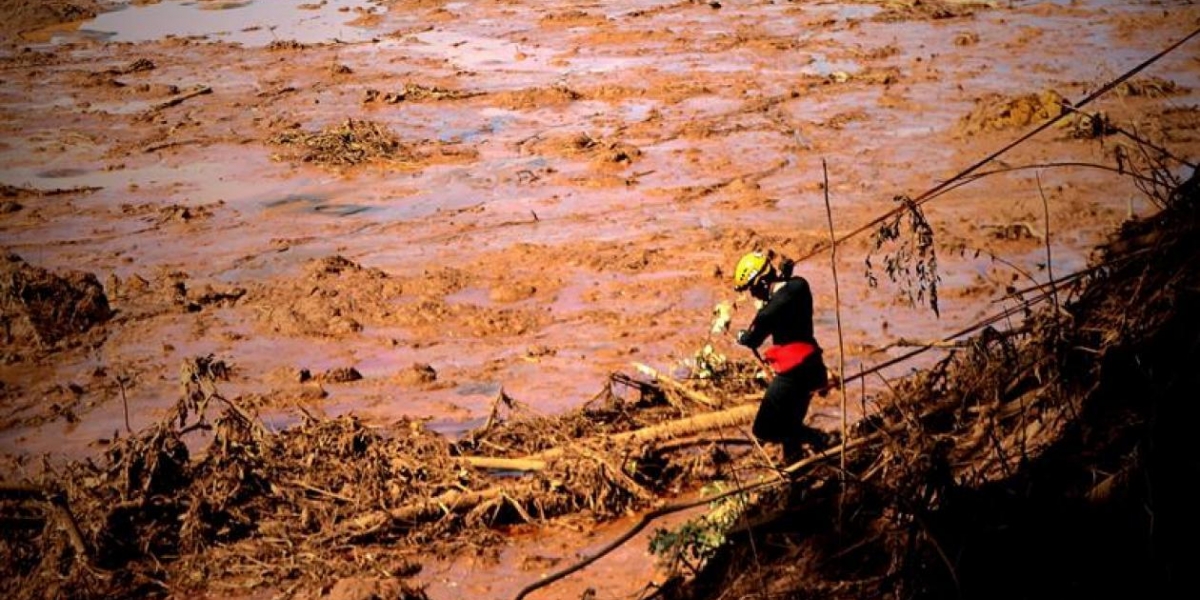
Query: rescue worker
[785, 314]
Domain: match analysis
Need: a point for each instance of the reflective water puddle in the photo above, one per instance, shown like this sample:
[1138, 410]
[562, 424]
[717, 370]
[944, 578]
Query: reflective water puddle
[251, 22]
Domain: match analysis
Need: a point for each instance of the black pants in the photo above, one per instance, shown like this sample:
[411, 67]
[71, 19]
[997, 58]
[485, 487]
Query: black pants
[781, 415]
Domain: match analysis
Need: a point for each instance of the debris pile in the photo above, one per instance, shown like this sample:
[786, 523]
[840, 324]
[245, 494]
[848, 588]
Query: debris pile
[316, 504]
[39, 308]
[352, 142]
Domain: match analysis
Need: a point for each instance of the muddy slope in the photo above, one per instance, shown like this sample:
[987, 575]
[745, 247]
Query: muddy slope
[1052, 463]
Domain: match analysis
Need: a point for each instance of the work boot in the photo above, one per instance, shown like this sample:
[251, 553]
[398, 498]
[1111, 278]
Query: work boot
[793, 451]
[814, 440]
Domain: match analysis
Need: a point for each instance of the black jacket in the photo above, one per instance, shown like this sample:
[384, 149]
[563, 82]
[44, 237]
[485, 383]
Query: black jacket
[787, 317]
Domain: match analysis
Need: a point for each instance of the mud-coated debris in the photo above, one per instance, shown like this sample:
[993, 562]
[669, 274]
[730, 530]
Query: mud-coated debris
[1149, 87]
[350, 143]
[995, 112]
[14, 192]
[417, 374]
[369, 588]
[211, 295]
[9, 206]
[286, 45]
[312, 390]
[913, 10]
[340, 375]
[40, 307]
[139, 65]
[413, 92]
[183, 214]
[540, 351]
[511, 292]
[601, 152]
[322, 302]
[966, 38]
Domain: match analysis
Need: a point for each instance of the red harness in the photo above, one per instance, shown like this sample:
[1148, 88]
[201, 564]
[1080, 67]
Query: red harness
[785, 357]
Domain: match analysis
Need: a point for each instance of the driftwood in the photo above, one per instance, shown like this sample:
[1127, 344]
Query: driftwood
[733, 417]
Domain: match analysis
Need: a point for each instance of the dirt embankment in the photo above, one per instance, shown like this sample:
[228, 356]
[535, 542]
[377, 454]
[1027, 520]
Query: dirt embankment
[21, 16]
[1045, 462]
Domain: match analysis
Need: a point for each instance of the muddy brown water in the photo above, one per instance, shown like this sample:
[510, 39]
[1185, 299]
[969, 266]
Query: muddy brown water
[578, 207]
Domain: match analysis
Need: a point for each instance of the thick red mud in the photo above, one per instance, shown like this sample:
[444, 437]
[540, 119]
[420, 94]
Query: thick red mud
[546, 193]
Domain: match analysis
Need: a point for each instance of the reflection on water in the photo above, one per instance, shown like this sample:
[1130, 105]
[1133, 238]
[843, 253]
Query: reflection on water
[251, 22]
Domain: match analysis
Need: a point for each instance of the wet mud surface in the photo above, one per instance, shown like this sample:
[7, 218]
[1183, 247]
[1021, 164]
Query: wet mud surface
[403, 209]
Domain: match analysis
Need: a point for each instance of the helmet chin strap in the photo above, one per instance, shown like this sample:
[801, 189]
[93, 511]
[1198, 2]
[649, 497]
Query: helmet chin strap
[761, 289]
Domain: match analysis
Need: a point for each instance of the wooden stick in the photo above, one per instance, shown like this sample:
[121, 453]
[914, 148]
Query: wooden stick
[1049, 257]
[505, 464]
[675, 385]
[181, 98]
[62, 511]
[837, 307]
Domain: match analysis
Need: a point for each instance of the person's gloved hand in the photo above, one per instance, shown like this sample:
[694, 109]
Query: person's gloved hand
[742, 334]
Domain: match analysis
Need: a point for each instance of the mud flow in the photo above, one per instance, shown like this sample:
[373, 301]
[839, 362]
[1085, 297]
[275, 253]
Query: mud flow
[285, 235]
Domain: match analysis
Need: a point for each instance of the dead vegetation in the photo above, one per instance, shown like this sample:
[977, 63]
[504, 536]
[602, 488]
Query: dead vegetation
[600, 152]
[911, 10]
[357, 142]
[349, 143]
[413, 92]
[323, 501]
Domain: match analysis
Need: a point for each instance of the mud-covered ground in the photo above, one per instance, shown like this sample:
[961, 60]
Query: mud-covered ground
[399, 209]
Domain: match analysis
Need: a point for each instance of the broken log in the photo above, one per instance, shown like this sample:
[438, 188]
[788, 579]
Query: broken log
[733, 417]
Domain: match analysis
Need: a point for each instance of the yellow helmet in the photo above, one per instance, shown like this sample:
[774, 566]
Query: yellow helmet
[748, 269]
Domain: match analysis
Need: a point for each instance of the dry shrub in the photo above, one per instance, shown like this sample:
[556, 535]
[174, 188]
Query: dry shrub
[350, 143]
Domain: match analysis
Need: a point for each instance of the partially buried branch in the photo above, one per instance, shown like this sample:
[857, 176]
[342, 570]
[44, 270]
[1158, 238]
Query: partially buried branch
[57, 502]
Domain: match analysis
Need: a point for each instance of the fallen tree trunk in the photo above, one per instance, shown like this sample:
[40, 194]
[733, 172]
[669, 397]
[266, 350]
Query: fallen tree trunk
[733, 417]
[461, 501]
